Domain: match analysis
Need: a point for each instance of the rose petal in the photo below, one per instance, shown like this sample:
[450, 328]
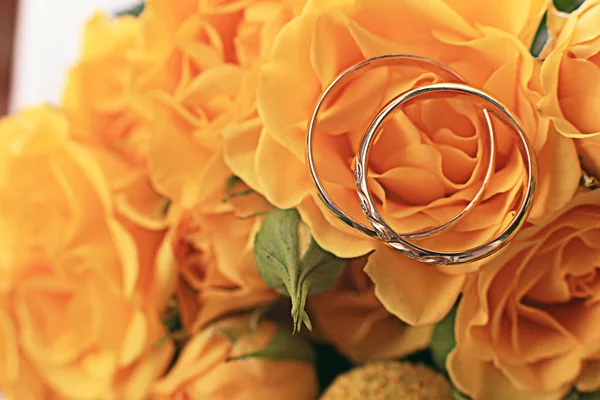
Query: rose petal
[519, 18]
[241, 142]
[395, 275]
[338, 239]
[481, 380]
[285, 184]
[559, 175]
[589, 380]
[289, 72]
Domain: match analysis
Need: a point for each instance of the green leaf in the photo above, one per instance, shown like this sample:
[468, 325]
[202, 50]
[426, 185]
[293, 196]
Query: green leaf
[276, 250]
[541, 38]
[320, 269]
[576, 395]
[542, 35]
[230, 333]
[171, 319]
[230, 185]
[283, 346]
[589, 396]
[166, 206]
[588, 181]
[456, 395]
[292, 263]
[135, 10]
[573, 395]
[443, 341]
[568, 6]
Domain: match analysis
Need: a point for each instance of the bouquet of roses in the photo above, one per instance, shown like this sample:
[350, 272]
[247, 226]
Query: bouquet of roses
[162, 236]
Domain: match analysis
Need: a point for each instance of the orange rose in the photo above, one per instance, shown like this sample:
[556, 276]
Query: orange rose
[199, 91]
[73, 322]
[195, 91]
[104, 105]
[350, 317]
[203, 54]
[170, 25]
[569, 74]
[254, 40]
[426, 164]
[260, 23]
[519, 18]
[204, 372]
[187, 90]
[213, 252]
[527, 326]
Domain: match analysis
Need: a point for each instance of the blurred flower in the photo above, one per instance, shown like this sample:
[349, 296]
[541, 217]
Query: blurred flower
[199, 89]
[213, 252]
[527, 325]
[350, 317]
[74, 322]
[259, 25]
[190, 91]
[104, 103]
[570, 73]
[389, 380]
[204, 55]
[205, 369]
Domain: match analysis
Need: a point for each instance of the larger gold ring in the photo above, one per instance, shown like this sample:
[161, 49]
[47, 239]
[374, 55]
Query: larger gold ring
[393, 239]
[395, 60]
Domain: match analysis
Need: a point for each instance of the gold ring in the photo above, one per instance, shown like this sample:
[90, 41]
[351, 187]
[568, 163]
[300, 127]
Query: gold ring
[394, 60]
[393, 239]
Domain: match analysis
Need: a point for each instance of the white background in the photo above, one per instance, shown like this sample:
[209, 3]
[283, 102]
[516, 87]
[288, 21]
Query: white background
[49, 35]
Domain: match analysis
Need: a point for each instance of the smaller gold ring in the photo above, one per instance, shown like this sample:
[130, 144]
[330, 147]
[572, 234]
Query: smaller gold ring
[397, 241]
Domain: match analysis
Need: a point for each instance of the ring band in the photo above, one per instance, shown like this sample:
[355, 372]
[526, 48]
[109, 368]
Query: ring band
[393, 239]
[394, 60]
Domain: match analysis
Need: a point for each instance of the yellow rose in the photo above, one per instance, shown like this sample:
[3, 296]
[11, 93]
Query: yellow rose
[569, 74]
[248, 26]
[527, 326]
[74, 323]
[194, 90]
[519, 18]
[256, 34]
[176, 37]
[350, 317]
[260, 23]
[104, 105]
[426, 164]
[232, 20]
[204, 55]
[213, 252]
[199, 90]
[204, 372]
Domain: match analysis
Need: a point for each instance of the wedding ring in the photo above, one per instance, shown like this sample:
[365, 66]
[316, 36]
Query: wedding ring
[397, 241]
[394, 60]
